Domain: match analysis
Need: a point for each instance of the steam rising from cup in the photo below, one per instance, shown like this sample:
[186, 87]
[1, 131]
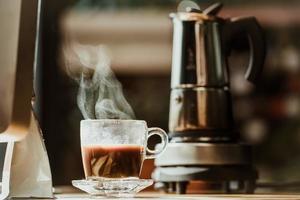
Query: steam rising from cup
[100, 94]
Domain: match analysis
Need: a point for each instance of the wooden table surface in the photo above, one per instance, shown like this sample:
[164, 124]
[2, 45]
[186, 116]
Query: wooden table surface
[70, 193]
[154, 196]
[158, 196]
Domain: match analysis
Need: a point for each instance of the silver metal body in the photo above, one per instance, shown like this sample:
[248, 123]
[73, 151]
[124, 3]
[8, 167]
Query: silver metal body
[201, 112]
[226, 164]
[198, 60]
[204, 145]
[202, 154]
[200, 103]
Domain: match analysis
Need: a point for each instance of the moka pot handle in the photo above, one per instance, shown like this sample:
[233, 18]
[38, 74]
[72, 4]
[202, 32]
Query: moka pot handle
[250, 27]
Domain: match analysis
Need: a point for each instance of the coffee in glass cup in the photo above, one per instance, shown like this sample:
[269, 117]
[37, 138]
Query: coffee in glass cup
[116, 148]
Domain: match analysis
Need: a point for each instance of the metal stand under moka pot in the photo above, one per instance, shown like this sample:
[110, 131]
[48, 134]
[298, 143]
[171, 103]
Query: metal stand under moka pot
[204, 145]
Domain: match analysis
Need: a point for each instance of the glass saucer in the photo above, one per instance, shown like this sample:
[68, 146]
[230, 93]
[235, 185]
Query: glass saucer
[123, 187]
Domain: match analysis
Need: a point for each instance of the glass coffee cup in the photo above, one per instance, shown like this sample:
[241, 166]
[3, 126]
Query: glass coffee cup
[116, 149]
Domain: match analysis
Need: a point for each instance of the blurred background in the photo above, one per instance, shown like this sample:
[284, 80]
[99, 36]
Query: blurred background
[139, 35]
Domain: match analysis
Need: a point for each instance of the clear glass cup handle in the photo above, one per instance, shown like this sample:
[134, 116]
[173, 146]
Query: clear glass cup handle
[164, 141]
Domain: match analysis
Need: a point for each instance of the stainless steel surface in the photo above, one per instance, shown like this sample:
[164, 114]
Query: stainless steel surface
[191, 154]
[201, 127]
[190, 15]
[200, 103]
[214, 9]
[207, 111]
[197, 58]
[193, 173]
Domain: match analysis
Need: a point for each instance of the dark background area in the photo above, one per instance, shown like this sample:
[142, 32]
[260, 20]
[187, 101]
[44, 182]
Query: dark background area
[267, 116]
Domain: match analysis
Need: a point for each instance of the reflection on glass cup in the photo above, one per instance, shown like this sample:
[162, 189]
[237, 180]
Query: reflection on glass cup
[117, 148]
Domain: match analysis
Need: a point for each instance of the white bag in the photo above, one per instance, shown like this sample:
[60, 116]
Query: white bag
[26, 171]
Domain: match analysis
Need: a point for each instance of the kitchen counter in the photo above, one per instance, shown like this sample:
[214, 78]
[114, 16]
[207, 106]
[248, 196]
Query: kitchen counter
[160, 196]
[154, 196]
[71, 193]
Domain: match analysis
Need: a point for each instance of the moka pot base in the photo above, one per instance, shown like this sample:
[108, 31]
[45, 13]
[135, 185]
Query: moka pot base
[226, 165]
